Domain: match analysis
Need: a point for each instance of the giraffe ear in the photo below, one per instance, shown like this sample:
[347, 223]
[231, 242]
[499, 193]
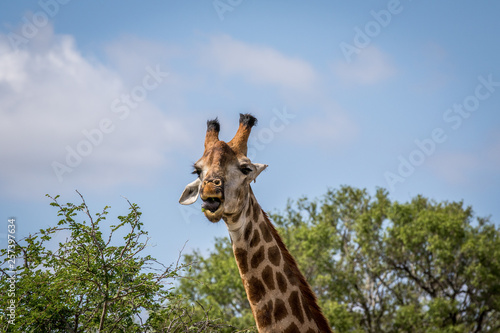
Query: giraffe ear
[191, 192]
[258, 169]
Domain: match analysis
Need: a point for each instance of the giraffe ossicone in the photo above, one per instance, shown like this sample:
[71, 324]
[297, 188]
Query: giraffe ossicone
[280, 298]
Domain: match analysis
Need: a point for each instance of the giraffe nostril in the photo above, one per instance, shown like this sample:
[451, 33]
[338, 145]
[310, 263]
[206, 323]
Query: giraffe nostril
[214, 181]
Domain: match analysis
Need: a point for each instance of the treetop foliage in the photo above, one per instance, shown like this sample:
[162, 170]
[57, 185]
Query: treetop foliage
[92, 281]
[375, 264]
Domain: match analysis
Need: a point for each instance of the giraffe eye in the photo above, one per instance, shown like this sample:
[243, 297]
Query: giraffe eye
[245, 170]
[197, 171]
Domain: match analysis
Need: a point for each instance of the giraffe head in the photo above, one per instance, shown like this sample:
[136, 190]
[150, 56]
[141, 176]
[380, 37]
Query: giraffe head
[224, 172]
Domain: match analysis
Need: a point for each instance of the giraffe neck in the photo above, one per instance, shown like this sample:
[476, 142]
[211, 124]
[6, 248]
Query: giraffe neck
[280, 298]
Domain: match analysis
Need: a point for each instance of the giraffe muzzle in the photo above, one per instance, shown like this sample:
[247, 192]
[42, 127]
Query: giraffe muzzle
[213, 208]
[212, 195]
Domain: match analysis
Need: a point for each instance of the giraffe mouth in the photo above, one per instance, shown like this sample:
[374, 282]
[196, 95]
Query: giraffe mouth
[212, 204]
[212, 207]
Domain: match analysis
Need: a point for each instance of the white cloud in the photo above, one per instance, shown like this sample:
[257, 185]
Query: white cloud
[454, 168]
[259, 64]
[478, 167]
[300, 87]
[49, 95]
[330, 128]
[131, 65]
[370, 66]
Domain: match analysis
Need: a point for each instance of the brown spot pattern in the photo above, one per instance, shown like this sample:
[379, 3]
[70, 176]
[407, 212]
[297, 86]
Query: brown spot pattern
[255, 239]
[256, 212]
[292, 329]
[280, 310]
[258, 257]
[268, 277]
[274, 255]
[294, 302]
[247, 214]
[248, 231]
[280, 279]
[290, 275]
[263, 316]
[307, 310]
[265, 232]
[256, 290]
[311, 331]
[241, 258]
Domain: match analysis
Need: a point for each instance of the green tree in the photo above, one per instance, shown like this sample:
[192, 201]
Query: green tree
[97, 280]
[215, 283]
[375, 265]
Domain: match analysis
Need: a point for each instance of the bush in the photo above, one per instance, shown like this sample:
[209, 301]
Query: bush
[94, 280]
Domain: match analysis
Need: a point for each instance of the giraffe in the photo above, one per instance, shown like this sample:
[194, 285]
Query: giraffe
[280, 298]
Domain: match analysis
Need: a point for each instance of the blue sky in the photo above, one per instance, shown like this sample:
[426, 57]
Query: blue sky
[111, 99]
